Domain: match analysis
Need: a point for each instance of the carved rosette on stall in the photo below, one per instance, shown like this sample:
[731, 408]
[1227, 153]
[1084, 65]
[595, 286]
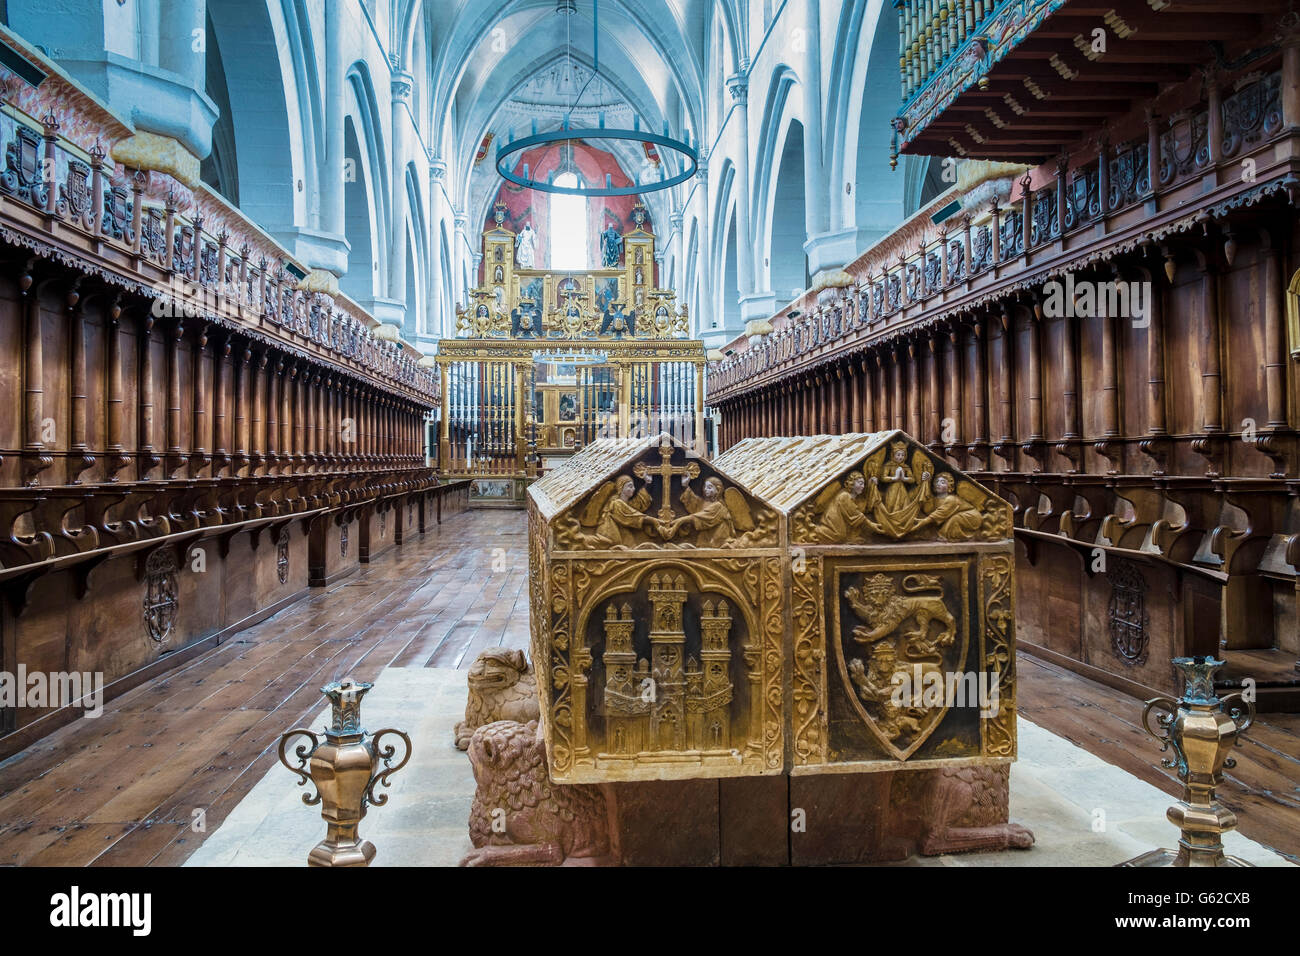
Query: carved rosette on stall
[657, 596]
[902, 583]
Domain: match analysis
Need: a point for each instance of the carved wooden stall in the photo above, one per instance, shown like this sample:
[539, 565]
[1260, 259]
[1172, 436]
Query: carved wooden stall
[700, 633]
[1106, 335]
[196, 429]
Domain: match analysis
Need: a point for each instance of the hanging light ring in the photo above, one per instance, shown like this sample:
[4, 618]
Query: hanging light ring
[506, 171]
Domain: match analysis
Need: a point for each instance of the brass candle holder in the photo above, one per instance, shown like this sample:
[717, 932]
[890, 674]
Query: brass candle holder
[1201, 728]
[345, 769]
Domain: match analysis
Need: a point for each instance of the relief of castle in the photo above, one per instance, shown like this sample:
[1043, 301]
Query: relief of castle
[669, 701]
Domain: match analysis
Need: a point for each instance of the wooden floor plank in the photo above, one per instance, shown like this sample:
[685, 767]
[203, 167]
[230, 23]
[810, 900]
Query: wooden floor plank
[1263, 789]
[122, 789]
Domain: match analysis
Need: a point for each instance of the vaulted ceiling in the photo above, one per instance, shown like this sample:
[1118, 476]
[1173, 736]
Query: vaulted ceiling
[501, 64]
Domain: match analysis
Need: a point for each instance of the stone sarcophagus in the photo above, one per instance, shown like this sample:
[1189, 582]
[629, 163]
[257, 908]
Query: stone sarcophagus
[900, 602]
[799, 652]
[657, 588]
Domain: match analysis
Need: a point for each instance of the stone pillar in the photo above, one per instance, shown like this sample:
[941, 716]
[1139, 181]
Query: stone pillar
[155, 76]
[461, 296]
[438, 322]
[703, 262]
[402, 84]
[738, 87]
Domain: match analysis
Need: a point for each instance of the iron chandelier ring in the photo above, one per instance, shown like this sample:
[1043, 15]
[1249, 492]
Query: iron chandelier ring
[565, 135]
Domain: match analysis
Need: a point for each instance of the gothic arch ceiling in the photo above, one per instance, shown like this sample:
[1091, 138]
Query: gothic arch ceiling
[651, 55]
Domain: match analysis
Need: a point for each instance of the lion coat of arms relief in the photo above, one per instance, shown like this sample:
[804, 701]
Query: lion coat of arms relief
[902, 630]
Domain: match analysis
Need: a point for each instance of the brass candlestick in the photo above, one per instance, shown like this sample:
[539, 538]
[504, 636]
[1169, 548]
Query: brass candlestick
[1202, 728]
[345, 769]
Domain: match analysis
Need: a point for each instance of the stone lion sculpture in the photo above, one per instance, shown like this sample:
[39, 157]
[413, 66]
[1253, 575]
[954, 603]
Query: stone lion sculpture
[502, 686]
[964, 809]
[519, 818]
[969, 807]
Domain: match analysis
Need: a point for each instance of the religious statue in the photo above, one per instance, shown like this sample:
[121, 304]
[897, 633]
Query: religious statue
[618, 321]
[571, 322]
[894, 512]
[639, 277]
[525, 246]
[498, 275]
[611, 247]
[617, 512]
[715, 517]
[662, 325]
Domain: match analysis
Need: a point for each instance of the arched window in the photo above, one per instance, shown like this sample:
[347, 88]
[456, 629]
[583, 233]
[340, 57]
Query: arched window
[568, 227]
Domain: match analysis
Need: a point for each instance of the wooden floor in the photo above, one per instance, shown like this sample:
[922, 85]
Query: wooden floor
[122, 789]
[1263, 789]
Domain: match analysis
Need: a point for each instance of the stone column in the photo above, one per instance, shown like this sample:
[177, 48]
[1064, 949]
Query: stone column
[402, 84]
[438, 322]
[738, 87]
[461, 296]
[703, 263]
[331, 185]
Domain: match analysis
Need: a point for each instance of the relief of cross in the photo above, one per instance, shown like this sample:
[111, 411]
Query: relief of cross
[666, 471]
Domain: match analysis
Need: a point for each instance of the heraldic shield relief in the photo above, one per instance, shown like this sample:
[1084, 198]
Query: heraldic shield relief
[902, 586]
[900, 629]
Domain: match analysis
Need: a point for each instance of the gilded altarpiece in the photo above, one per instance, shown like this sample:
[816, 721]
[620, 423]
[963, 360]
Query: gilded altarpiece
[657, 598]
[901, 600]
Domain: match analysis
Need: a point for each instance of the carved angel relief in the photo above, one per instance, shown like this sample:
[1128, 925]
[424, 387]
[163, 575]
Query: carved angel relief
[616, 515]
[896, 497]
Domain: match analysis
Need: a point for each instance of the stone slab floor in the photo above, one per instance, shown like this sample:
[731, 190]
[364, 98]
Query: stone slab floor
[200, 743]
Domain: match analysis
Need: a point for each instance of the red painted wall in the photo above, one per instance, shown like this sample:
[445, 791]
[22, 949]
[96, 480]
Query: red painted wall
[528, 205]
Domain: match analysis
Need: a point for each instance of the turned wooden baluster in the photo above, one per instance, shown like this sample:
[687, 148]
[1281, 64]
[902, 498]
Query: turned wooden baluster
[258, 443]
[199, 457]
[174, 454]
[956, 375]
[1156, 444]
[149, 459]
[117, 457]
[35, 454]
[1277, 441]
[79, 456]
[1004, 448]
[1209, 444]
[243, 358]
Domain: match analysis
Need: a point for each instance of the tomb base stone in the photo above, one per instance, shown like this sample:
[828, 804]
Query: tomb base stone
[718, 644]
